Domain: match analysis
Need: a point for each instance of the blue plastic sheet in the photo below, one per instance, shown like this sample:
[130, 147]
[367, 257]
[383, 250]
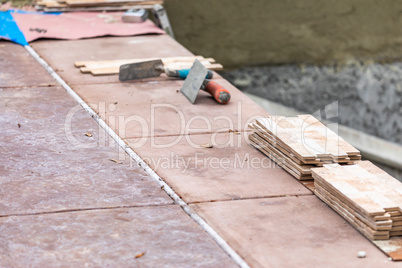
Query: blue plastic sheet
[9, 29]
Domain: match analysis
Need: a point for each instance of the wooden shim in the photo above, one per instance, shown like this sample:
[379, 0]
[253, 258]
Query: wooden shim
[109, 63]
[109, 67]
[89, 9]
[87, 3]
[115, 70]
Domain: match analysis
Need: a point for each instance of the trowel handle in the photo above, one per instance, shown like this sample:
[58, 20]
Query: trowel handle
[220, 94]
[184, 73]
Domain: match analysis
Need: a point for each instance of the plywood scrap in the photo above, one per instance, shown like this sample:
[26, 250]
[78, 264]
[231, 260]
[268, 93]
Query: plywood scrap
[109, 67]
[364, 195]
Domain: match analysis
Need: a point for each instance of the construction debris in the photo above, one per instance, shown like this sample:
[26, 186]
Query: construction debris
[300, 143]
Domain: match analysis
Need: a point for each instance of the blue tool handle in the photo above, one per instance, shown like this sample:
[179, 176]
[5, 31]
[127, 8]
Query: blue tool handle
[184, 73]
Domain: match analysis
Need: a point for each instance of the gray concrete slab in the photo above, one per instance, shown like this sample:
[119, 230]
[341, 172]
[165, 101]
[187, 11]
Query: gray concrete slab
[49, 164]
[108, 238]
[18, 68]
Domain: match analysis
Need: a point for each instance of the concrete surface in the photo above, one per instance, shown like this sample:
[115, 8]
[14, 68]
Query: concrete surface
[290, 232]
[202, 185]
[300, 222]
[44, 171]
[232, 169]
[369, 95]
[18, 68]
[65, 203]
[158, 108]
[111, 48]
[243, 33]
[108, 238]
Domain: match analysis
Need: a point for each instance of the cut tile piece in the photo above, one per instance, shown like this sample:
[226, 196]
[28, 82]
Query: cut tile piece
[109, 238]
[159, 108]
[216, 167]
[361, 193]
[18, 68]
[290, 232]
[54, 157]
[105, 48]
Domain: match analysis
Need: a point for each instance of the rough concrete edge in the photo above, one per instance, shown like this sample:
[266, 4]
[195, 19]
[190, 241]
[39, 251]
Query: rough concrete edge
[169, 191]
[371, 147]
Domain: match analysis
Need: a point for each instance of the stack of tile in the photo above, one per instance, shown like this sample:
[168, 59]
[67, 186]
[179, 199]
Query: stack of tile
[92, 5]
[300, 143]
[364, 195]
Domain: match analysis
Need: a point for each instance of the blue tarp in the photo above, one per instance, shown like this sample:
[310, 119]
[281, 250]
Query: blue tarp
[9, 29]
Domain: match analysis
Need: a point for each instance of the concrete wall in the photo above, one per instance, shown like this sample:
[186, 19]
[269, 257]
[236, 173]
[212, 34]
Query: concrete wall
[369, 97]
[258, 32]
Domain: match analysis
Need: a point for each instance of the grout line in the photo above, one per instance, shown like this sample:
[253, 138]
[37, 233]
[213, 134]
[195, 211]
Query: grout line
[81, 209]
[169, 191]
[251, 198]
[30, 86]
[242, 131]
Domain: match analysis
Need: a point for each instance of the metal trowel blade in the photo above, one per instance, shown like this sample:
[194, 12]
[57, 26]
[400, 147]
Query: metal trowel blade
[194, 80]
[140, 70]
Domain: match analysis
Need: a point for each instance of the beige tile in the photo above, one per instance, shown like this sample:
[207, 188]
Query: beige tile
[290, 232]
[232, 169]
[109, 238]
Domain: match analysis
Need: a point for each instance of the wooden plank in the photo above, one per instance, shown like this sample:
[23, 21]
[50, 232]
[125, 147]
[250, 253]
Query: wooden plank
[87, 3]
[89, 9]
[108, 63]
[109, 67]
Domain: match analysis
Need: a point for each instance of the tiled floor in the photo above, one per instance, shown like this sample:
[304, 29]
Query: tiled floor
[290, 232]
[61, 55]
[70, 197]
[108, 238]
[268, 217]
[158, 109]
[231, 169]
[18, 68]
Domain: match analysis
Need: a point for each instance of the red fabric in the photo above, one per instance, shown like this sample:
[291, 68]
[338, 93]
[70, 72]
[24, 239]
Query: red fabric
[80, 25]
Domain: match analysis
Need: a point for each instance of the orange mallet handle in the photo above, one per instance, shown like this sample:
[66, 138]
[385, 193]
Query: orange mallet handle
[220, 94]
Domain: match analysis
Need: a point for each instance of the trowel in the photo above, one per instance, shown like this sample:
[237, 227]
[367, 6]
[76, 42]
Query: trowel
[196, 80]
[152, 68]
